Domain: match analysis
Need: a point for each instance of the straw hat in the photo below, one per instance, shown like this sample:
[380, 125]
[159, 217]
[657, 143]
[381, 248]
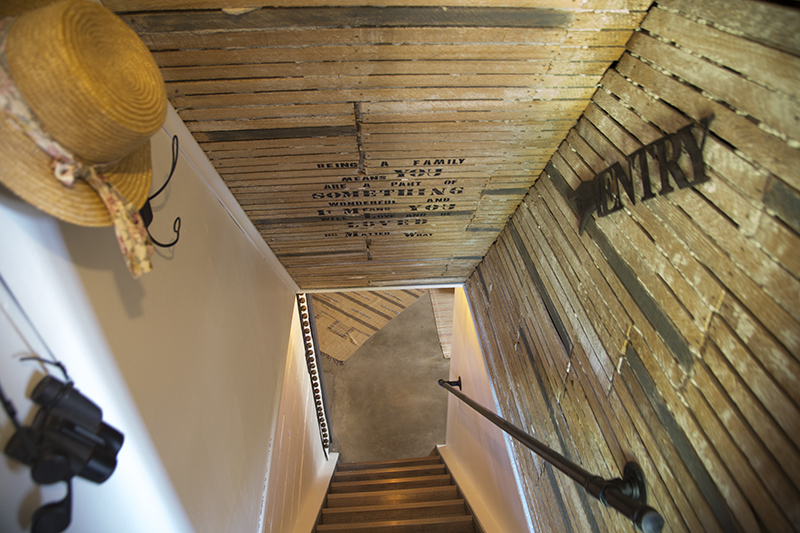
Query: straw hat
[94, 87]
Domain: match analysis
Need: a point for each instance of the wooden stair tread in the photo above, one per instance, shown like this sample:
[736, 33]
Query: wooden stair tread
[389, 484]
[346, 499]
[402, 511]
[384, 473]
[415, 495]
[374, 465]
[443, 524]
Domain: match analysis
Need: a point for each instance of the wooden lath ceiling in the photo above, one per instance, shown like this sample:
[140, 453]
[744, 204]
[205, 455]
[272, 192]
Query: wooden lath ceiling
[376, 146]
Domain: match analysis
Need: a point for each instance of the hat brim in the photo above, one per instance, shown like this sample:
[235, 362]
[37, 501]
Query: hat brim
[25, 170]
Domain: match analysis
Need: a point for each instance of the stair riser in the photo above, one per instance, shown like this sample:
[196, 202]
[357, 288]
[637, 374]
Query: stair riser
[366, 514]
[423, 461]
[390, 484]
[392, 473]
[450, 524]
[336, 501]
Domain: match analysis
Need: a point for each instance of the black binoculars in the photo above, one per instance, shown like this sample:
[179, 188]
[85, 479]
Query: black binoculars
[67, 437]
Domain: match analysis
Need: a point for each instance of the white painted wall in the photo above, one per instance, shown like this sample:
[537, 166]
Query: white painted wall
[475, 450]
[188, 361]
[139, 482]
[299, 476]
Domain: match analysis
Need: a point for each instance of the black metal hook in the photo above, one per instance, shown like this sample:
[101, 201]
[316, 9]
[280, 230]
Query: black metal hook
[147, 211]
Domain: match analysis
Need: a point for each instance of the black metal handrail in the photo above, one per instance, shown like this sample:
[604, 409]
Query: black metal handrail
[627, 495]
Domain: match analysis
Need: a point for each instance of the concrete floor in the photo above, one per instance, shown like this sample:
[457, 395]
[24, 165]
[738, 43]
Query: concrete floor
[385, 401]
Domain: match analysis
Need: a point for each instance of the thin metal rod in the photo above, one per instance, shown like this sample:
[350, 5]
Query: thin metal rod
[315, 372]
[313, 322]
[607, 491]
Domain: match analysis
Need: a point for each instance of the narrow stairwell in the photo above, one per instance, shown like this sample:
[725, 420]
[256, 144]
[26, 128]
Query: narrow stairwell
[407, 495]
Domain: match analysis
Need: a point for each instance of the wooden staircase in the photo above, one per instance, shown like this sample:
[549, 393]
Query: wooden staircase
[407, 495]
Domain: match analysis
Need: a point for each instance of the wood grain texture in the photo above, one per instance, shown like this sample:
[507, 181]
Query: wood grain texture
[421, 142]
[318, 114]
[690, 297]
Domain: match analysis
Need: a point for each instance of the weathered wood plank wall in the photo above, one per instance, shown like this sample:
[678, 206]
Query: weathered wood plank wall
[668, 333]
[376, 146]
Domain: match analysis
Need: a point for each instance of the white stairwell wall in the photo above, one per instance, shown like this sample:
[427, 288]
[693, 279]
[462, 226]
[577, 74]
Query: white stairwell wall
[189, 362]
[299, 473]
[476, 450]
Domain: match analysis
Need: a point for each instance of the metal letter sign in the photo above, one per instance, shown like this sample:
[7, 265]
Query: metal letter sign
[661, 158]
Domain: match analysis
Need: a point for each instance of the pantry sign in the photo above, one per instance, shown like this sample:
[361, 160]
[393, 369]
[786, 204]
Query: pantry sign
[648, 172]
